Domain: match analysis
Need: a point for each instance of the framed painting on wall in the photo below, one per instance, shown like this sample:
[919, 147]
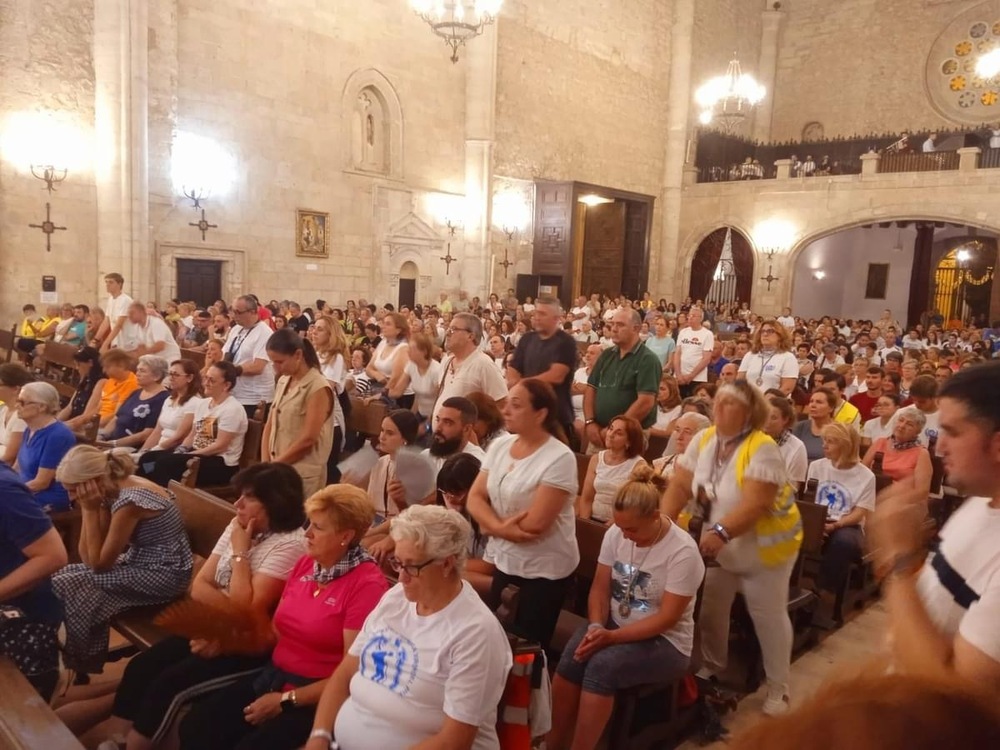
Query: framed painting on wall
[312, 239]
[878, 281]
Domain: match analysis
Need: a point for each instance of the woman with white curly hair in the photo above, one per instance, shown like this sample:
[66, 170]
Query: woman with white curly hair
[429, 666]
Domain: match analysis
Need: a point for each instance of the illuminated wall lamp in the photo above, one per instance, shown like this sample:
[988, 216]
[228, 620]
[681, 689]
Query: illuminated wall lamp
[592, 199]
[819, 274]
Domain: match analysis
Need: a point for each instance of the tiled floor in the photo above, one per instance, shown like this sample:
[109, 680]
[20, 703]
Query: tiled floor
[860, 640]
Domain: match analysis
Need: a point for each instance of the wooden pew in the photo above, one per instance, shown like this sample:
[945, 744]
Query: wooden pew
[26, 720]
[198, 357]
[69, 524]
[59, 367]
[7, 343]
[657, 444]
[589, 536]
[205, 518]
[582, 464]
[366, 418]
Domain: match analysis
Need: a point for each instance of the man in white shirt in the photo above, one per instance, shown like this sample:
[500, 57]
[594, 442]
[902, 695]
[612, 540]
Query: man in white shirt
[466, 367]
[944, 607]
[585, 335]
[147, 334]
[246, 347]
[115, 310]
[580, 313]
[930, 145]
[693, 353]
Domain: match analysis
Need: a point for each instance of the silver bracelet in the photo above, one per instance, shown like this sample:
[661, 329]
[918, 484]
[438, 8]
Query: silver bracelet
[326, 735]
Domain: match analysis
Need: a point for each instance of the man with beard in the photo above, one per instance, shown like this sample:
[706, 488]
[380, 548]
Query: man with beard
[454, 431]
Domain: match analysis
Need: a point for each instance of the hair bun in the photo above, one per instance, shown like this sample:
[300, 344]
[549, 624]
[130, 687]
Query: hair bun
[644, 472]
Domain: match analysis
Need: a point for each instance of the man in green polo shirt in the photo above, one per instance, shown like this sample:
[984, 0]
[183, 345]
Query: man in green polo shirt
[624, 380]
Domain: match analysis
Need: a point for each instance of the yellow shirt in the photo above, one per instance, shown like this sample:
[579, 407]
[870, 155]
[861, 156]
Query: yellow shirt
[115, 392]
[847, 414]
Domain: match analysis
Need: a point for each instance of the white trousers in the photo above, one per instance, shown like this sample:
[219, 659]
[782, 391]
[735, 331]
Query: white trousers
[766, 594]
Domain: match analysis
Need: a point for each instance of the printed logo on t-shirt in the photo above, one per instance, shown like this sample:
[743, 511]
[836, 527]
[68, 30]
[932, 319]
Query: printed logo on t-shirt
[621, 576]
[834, 496]
[390, 660]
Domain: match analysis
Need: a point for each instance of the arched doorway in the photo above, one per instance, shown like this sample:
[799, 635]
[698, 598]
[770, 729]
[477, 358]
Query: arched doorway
[722, 268]
[963, 281]
[407, 285]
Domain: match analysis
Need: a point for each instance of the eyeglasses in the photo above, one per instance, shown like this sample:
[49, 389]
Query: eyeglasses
[453, 330]
[413, 571]
[19, 403]
[767, 330]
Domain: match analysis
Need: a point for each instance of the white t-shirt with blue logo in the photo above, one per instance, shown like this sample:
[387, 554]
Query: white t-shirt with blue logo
[841, 490]
[415, 670]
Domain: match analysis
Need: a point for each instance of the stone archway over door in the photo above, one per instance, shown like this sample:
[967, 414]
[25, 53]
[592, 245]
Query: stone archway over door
[706, 261]
[408, 275]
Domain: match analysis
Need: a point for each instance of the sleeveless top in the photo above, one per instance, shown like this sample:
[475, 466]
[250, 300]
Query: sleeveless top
[607, 481]
[383, 362]
[288, 418]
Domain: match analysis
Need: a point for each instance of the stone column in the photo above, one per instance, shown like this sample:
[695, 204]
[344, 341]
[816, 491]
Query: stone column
[121, 127]
[767, 65]
[869, 164]
[669, 279]
[480, 59]
[968, 158]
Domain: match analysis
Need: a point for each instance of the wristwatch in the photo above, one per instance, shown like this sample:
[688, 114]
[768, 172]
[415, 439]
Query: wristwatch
[719, 530]
[288, 700]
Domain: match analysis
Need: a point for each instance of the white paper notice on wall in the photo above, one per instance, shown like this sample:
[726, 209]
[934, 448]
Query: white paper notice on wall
[312, 267]
[49, 298]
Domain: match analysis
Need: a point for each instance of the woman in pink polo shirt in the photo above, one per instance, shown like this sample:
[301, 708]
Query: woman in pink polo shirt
[329, 594]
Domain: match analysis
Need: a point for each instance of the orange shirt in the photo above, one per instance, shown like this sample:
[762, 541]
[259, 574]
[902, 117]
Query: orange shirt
[115, 392]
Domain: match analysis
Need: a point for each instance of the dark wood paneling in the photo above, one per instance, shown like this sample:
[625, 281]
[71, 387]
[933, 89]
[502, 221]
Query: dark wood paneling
[635, 273]
[707, 258]
[603, 249]
[199, 281]
[553, 227]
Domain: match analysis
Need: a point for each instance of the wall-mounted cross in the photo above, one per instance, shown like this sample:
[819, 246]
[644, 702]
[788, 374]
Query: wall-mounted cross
[203, 225]
[48, 227]
[448, 259]
[769, 278]
[506, 263]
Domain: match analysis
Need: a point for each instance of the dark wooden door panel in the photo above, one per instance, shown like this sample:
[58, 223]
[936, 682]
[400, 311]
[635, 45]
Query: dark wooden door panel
[603, 249]
[199, 281]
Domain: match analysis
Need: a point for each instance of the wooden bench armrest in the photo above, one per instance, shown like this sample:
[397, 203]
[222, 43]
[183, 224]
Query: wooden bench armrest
[26, 720]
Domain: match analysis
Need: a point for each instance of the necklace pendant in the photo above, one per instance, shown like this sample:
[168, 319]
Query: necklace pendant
[624, 610]
[760, 381]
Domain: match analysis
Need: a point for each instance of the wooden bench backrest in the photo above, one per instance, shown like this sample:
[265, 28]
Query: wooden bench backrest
[26, 720]
[251, 443]
[589, 536]
[60, 355]
[195, 356]
[657, 444]
[7, 343]
[205, 517]
[809, 492]
[366, 418]
[813, 522]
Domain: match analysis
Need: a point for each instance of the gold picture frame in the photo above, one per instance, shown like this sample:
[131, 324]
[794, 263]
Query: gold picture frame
[312, 235]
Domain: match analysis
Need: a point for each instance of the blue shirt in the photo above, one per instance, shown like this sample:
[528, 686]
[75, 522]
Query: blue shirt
[22, 523]
[136, 415]
[44, 449]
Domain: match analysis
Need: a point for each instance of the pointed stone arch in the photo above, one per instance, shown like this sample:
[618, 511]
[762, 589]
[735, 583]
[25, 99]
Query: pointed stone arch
[706, 259]
[374, 125]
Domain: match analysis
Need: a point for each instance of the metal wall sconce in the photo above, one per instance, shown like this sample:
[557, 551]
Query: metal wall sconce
[49, 174]
[770, 278]
[196, 196]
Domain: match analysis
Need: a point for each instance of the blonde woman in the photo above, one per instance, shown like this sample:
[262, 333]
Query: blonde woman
[132, 545]
[752, 529]
[330, 342]
[847, 488]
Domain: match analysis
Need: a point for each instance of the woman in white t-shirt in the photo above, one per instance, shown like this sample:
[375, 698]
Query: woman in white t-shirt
[779, 426]
[668, 407]
[429, 666]
[770, 364]
[610, 469]
[523, 500]
[176, 415]
[641, 613]
[421, 376]
[216, 437]
[12, 377]
[847, 488]
[881, 424]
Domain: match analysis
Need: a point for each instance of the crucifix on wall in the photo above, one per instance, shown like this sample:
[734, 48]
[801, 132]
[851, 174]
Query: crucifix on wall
[48, 227]
[202, 225]
[448, 259]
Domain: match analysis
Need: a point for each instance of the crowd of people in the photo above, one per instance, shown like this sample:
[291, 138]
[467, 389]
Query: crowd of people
[473, 488]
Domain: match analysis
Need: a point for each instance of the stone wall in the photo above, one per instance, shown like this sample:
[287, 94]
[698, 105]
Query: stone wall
[45, 66]
[857, 66]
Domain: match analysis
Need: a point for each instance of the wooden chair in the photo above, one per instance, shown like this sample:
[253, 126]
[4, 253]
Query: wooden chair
[366, 419]
[7, 343]
[205, 518]
[26, 720]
